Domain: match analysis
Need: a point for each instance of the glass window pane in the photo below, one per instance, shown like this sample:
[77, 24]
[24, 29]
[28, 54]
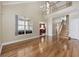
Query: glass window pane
[20, 22]
[30, 27]
[27, 27]
[27, 22]
[20, 27]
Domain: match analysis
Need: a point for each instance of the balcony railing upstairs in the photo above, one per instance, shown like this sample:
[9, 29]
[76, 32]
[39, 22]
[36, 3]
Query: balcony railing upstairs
[53, 7]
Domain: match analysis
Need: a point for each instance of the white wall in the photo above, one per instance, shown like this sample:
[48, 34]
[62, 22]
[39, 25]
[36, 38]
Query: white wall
[54, 23]
[30, 10]
[74, 21]
[0, 22]
[74, 25]
[49, 27]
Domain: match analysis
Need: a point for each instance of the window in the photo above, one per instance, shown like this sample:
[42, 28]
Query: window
[28, 26]
[23, 26]
[20, 26]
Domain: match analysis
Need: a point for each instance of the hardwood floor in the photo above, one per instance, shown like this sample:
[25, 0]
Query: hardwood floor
[42, 47]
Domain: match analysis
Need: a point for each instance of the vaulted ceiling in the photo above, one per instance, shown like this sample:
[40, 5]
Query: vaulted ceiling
[53, 5]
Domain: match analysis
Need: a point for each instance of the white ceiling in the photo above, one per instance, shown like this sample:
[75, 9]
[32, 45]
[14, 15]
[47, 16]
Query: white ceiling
[16, 2]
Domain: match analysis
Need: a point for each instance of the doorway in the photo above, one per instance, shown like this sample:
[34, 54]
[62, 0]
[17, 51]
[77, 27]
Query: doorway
[42, 29]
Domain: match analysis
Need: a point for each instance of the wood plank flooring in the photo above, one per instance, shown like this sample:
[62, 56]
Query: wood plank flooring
[42, 47]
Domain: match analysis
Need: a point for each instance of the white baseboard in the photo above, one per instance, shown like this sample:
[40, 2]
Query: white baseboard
[10, 42]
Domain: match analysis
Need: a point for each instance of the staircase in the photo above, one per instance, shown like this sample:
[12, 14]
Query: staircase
[63, 31]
